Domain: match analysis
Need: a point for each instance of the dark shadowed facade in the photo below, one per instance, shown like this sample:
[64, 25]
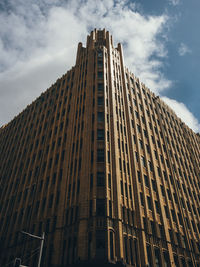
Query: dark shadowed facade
[103, 167]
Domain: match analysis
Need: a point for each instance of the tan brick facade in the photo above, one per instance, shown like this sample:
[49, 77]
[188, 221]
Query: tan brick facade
[104, 167]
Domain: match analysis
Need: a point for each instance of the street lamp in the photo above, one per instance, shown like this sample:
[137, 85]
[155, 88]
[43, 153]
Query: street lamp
[41, 244]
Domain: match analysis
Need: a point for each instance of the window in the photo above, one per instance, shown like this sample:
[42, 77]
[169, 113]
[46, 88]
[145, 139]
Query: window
[169, 194]
[100, 75]
[100, 243]
[159, 171]
[145, 134]
[154, 185]
[109, 180]
[130, 192]
[183, 262]
[157, 207]
[150, 166]
[108, 156]
[111, 245]
[100, 100]
[166, 259]
[100, 134]
[176, 260]
[100, 116]
[166, 212]
[141, 199]
[149, 203]
[91, 181]
[146, 180]
[100, 85]
[139, 176]
[136, 252]
[122, 188]
[100, 207]
[100, 63]
[153, 229]
[91, 207]
[100, 54]
[100, 179]
[110, 208]
[141, 143]
[50, 201]
[138, 128]
[125, 249]
[149, 264]
[143, 161]
[157, 257]
[162, 190]
[136, 156]
[100, 155]
[131, 250]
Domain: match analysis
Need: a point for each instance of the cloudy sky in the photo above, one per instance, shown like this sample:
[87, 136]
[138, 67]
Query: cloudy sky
[38, 42]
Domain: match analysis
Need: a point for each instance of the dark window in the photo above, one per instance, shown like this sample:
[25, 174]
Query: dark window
[159, 171]
[189, 262]
[157, 257]
[149, 203]
[100, 54]
[50, 201]
[166, 259]
[110, 208]
[100, 243]
[153, 229]
[91, 207]
[136, 156]
[122, 188]
[100, 63]
[143, 161]
[150, 166]
[176, 261]
[111, 245]
[100, 100]
[154, 185]
[146, 180]
[131, 250]
[136, 252]
[139, 176]
[183, 262]
[109, 180]
[91, 181]
[100, 207]
[100, 85]
[100, 134]
[100, 155]
[100, 179]
[100, 117]
[100, 75]
[149, 264]
[162, 190]
[126, 249]
[141, 199]
[157, 207]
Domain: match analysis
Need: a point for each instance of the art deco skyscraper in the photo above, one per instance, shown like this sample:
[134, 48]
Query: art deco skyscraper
[104, 167]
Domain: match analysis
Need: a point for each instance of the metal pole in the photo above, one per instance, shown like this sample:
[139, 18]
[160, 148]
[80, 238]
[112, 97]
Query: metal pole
[41, 248]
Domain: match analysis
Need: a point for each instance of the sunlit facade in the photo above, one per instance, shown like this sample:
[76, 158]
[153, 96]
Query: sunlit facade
[104, 167]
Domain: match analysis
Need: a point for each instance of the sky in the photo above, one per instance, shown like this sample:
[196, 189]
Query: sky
[161, 42]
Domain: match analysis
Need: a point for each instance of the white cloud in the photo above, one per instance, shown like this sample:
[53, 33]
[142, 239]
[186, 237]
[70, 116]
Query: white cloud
[38, 43]
[183, 49]
[174, 2]
[183, 113]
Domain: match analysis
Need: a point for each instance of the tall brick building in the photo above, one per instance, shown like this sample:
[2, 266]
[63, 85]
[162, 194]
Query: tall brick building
[104, 167]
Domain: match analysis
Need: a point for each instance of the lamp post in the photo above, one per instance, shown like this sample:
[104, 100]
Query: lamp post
[41, 244]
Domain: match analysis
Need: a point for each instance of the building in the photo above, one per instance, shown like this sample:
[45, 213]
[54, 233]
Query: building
[104, 167]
